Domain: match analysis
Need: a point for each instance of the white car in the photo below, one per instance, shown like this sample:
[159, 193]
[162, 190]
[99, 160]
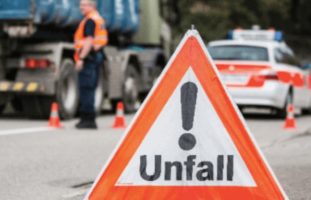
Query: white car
[262, 74]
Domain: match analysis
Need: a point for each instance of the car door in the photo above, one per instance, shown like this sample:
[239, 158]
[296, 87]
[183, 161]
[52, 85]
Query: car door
[285, 58]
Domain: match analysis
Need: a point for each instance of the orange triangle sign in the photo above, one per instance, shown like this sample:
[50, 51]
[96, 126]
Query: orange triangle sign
[188, 141]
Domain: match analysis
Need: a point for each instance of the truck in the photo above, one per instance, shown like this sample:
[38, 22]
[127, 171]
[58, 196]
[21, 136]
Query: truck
[36, 53]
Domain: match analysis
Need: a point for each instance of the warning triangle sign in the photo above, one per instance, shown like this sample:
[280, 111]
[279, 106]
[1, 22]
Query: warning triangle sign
[179, 152]
[188, 141]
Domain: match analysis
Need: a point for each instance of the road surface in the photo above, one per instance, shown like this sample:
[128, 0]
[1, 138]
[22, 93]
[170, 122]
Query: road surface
[38, 163]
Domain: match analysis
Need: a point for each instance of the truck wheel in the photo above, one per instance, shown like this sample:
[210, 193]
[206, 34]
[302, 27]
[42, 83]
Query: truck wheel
[156, 74]
[37, 107]
[4, 99]
[99, 93]
[17, 104]
[130, 90]
[67, 93]
[66, 96]
[2, 108]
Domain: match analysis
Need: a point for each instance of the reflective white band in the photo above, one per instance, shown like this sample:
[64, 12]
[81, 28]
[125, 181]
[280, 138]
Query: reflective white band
[120, 112]
[54, 114]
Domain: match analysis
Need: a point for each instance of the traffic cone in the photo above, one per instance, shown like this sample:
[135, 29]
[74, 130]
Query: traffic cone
[54, 118]
[119, 120]
[290, 122]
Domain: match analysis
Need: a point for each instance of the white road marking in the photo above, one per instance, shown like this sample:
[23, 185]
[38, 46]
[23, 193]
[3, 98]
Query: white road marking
[25, 130]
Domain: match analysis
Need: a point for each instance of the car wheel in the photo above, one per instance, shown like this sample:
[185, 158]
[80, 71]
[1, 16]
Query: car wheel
[281, 113]
[306, 111]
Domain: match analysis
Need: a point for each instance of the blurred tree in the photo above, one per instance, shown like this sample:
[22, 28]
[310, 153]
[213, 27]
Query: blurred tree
[301, 16]
[214, 18]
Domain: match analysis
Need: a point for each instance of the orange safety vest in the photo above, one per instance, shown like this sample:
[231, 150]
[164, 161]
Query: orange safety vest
[100, 33]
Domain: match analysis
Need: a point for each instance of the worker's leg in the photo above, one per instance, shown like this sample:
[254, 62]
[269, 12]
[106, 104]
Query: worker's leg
[88, 80]
[87, 86]
[94, 64]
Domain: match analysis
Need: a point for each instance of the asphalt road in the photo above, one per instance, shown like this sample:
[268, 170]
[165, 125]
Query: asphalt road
[38, 163]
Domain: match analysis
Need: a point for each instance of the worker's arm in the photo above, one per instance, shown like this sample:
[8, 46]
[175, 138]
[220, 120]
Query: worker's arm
[87, 47]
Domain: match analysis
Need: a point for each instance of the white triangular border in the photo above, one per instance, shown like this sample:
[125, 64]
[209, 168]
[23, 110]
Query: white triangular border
[188, 34]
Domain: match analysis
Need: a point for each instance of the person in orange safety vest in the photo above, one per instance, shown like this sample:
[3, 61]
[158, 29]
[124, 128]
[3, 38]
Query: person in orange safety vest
[89, 40]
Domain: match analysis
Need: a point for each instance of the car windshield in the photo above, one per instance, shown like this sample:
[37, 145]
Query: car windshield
[238, 52]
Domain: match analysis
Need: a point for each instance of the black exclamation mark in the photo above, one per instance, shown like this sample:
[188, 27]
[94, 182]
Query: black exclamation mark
[188, 101]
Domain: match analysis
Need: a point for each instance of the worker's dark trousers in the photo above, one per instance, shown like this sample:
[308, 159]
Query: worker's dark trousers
[88, 79]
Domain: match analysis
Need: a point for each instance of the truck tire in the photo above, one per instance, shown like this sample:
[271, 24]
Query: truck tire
[67, 94]
[17, 104]
[37, 106]
[99, 93]
[2, 108]
[4, 99]
[155, 76]
[131, 98]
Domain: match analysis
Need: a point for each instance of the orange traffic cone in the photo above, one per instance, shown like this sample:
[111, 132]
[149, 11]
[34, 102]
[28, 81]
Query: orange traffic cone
[54, 118]
[119, 120]
[290, 122]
